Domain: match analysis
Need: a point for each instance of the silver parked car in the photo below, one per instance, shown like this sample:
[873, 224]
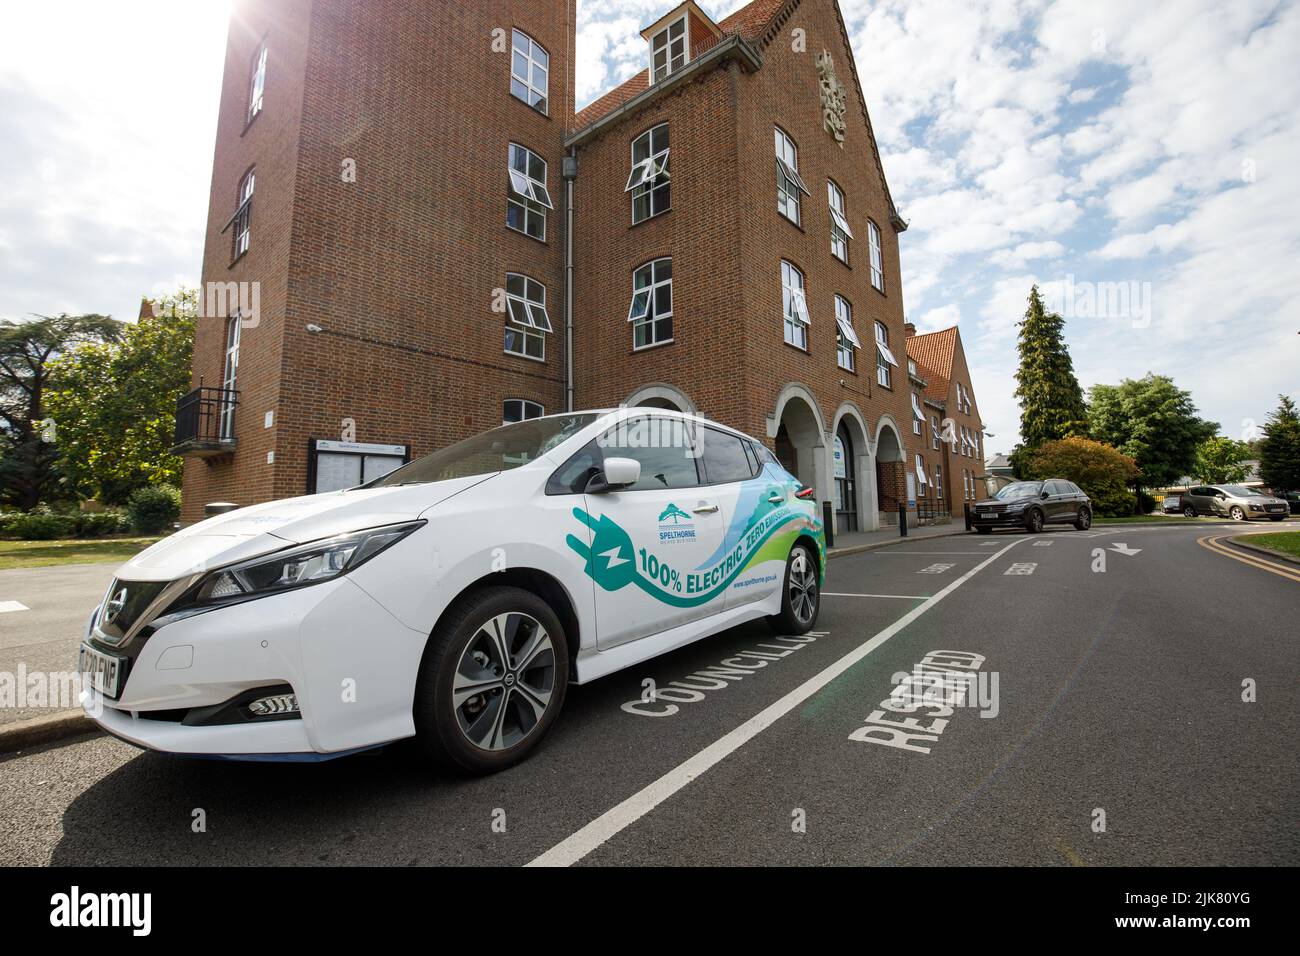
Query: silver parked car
[1233, 501]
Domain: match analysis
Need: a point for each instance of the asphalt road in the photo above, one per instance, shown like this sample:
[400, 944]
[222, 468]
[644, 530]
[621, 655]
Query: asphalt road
[1118, 699]
[42, 634]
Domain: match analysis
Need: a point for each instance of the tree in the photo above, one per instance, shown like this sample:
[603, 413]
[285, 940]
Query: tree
[1220, 461]
[29, 470]
[1051, 401]
[1101, 470]
[1279, 454]
[1153, 422]
[114, 403]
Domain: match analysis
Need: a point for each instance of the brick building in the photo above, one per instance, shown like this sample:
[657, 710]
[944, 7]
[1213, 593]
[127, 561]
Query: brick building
[948, 457]
[438, 243]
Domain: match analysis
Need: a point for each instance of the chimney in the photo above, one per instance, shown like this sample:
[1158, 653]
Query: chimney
[909, 328]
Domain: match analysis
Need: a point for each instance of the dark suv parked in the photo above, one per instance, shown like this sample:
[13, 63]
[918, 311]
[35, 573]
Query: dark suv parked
[1033, 505]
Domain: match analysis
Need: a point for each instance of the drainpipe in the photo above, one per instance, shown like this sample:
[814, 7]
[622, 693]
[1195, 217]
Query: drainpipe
[570, 172]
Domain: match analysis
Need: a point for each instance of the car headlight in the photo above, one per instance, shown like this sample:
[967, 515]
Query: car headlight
[296, 567]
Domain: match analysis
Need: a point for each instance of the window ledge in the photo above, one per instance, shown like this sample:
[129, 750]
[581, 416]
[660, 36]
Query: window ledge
[653, 345]
[520, 232]
[648, 219]
[520, 355]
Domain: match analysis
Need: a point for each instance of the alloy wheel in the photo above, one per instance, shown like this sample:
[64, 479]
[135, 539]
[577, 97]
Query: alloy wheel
[803, 586]
[504, 680]
[1237, 514]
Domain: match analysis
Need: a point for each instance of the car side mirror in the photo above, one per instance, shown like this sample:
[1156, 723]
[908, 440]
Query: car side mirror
[1044, 495]
[618, 473]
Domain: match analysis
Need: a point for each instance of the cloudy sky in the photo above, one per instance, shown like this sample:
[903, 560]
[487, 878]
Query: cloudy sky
[1138, 160]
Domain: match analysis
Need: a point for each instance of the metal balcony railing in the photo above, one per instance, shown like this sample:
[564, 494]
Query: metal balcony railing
[205, 422]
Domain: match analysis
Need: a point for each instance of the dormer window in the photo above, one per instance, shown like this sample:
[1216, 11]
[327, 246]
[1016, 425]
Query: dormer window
[670, 49]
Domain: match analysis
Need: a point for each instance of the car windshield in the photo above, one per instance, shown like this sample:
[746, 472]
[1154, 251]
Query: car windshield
[1021, 489]
[500, 449]
[1239, 492]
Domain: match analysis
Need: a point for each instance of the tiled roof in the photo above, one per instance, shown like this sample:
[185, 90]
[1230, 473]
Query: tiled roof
[749, 22]
[934, 353]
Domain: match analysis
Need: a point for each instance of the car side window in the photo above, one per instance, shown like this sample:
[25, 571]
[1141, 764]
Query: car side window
[572, 477]
[1053, 488]
[663, 465]
[725, 459]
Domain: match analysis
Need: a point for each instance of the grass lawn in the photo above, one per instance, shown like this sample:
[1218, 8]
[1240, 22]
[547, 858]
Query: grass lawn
[1284, 542]
[40, 554]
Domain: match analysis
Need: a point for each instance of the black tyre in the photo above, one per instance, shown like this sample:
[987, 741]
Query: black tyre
[1189, 511]
[983, 530]
[492, 681]
[801, 597]
[1034, 520]
[1084, 520]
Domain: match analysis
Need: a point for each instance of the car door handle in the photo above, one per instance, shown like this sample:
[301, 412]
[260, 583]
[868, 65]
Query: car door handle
[703, 509]
[775, 498]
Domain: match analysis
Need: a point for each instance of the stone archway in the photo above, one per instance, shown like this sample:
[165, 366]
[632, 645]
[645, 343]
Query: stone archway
[891, 471]
[798, 431]
[661, 395]
[858, 468]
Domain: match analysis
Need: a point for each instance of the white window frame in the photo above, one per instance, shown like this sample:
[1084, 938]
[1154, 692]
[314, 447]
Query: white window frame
[650, 181]
[672, 62]
[938, 482]
[646, 286]
[536, 59]
[788, 183]
[918, 414]
[257, 83]
[526, 192]
[794, 305]
[525, 406]
[243, 218]
[846, 337]
[885, 361]
[840, 231]
[877, 256]
[919, 469]
[229, 378]
[529, 307]
[936, 437]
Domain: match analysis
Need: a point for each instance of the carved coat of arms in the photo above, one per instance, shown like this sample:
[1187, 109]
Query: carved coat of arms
[834, 97]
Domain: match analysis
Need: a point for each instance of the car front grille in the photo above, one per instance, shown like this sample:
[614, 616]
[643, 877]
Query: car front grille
[124, 605]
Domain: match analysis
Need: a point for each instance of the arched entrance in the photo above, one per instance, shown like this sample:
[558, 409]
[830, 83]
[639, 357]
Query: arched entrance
[799, 438]
[660, 396]
[853, 473]
[891, 471]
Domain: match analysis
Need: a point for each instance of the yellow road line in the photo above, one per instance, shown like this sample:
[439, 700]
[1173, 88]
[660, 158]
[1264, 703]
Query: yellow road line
[1211, 543]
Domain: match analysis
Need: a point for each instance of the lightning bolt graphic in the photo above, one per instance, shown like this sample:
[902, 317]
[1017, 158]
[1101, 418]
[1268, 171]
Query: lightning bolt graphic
[613, 557]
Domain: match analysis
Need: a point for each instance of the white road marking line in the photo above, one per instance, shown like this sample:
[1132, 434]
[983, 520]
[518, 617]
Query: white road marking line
[937, 569]
[1026, 567]
[8, 606]
[1042, 544]
[613, 821]
[901, 597]
[882, 551]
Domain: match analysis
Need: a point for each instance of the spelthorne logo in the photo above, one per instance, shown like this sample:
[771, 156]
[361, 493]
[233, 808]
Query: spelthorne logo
[671, 529]
[75, 908]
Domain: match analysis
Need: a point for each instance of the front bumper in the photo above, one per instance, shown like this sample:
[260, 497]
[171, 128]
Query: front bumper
[350, 663]
[1012, 519]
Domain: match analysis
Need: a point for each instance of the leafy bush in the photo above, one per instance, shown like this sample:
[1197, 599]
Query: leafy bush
[98, 524]
[40, 525]
[1101, 470]
[155, 508]
[1146, 503]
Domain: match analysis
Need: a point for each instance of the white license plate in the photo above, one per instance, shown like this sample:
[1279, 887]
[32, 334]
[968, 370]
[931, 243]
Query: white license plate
[987, 514]
[103, 672]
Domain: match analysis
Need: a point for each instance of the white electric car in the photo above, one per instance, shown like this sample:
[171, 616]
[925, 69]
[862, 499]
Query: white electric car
[456, 598]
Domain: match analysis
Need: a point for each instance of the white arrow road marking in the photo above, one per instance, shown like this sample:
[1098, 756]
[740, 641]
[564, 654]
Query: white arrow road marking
[8, 606]
[613, 821]
[1024, 568]
[1123, 548]
[613, 555]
